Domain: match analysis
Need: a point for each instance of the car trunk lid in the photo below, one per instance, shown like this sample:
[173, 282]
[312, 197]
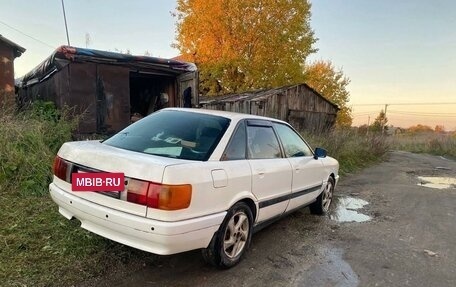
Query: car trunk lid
[94, 156]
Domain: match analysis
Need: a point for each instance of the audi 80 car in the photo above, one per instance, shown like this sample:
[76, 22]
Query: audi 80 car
[194, 179]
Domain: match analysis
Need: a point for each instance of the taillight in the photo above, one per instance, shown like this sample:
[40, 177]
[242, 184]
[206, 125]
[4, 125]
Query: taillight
[160, 196]
[60, 168]
[137, 191]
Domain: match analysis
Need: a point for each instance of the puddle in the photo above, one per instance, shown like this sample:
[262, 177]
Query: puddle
[437, 182]
[345, 210]
[332, 271]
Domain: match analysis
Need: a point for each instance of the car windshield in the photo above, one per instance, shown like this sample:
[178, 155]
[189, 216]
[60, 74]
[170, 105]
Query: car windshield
[171, 133]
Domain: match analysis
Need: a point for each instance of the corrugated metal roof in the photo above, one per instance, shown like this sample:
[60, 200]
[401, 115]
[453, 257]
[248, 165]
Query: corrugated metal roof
[66, 54]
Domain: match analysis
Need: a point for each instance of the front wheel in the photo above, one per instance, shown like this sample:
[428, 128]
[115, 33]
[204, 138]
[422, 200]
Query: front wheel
[323, 202]
[232, 239]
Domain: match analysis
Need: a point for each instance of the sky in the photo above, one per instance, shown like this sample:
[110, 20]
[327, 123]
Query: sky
[396, 53]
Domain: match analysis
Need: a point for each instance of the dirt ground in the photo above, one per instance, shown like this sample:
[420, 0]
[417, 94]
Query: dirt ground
[409, 241]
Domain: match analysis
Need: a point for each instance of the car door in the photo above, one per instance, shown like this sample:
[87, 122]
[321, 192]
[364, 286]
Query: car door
[271, 172]
[308, 172]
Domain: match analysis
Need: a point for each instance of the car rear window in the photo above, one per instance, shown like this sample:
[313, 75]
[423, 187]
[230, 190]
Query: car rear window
[171, 133]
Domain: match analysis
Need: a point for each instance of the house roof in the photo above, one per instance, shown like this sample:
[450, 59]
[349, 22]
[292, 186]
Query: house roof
[18, 50]
[257, 95]
[64, 55]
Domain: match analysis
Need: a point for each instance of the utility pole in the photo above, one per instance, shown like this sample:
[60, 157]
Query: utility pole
[66, 27]
[383, 124]
[368, 124]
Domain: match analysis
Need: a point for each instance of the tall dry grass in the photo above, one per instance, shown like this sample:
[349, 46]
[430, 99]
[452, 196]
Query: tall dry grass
[351, 149]
[443, 144]
[29, 141]
[39, 247]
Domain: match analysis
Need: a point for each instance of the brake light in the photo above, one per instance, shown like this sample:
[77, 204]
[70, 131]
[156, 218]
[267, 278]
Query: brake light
[137, 191]
[160, 196]
[60, 167]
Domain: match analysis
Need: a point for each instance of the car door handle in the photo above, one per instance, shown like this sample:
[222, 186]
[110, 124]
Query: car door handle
[261, 173]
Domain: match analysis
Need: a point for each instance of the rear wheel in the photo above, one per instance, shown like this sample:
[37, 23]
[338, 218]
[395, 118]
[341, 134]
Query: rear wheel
[232, 239]
[322, 204]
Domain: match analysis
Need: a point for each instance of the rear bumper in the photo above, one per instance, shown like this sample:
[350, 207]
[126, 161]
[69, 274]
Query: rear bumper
[150, 235]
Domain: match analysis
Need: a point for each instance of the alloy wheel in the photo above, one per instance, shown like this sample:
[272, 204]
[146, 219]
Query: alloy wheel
[327, 196]
[236, 234]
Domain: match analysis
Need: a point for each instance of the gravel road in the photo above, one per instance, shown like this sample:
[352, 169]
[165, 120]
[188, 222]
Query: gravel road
[406, 237]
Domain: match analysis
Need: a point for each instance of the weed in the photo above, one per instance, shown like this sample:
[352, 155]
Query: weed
[443, 144]
[39, 247]
[352, 150]
[29, 141]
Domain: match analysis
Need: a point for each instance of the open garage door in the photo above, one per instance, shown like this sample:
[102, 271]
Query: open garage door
[187, 84]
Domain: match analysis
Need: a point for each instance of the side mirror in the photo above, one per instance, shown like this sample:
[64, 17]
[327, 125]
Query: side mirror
[319, 152]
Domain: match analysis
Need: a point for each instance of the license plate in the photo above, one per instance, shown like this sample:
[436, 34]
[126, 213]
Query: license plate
[113, 194]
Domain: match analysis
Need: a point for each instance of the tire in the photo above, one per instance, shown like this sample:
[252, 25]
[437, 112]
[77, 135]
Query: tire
[230, 242]
[323, 203]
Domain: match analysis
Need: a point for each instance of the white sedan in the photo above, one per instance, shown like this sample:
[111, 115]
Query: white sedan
[193, 179]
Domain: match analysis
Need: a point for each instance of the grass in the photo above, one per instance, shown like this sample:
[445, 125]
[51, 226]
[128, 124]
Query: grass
[28, 143]
[39, 247]
[351, 149]
[443, 144]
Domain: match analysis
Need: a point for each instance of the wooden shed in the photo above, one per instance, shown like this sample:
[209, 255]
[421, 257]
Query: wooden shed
[110, 89]
[300, 105]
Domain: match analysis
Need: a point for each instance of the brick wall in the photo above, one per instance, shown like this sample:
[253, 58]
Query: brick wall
[6, 72]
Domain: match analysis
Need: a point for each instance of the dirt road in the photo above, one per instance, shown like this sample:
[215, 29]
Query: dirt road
[410, 239]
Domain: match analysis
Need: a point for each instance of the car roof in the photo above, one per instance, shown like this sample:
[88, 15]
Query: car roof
[230, 115]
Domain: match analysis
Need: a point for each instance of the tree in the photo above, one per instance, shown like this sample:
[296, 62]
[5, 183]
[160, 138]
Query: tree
[419, 128]
[242, 45]
[332, 84]
[439, 129]
[380, 122]
[362, 129]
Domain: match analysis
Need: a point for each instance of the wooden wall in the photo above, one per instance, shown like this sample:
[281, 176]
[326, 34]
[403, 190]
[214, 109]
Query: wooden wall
[299, 105]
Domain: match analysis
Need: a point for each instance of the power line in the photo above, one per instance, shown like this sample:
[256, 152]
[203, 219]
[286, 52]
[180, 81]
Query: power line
[405, 104]
[31, 37]
[422, 113]
[395, 115]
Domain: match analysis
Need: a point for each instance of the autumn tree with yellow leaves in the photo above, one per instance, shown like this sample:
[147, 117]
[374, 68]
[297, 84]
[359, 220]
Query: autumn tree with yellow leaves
[242, 45]
[331, 83]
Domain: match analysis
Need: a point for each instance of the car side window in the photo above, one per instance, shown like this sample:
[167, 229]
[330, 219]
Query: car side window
[292, 143]
[262, 143]
[236, 147]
